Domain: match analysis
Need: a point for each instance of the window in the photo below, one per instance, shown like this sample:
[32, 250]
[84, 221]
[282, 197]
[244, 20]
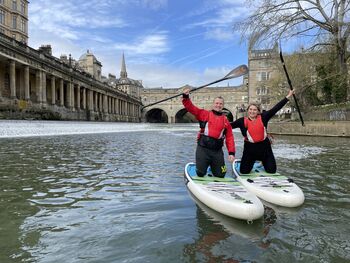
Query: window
[23, 25]
[263, 76]
[23, 7]
[14, 22]
[2, 17]
[262, 91]
[265, 101]
[14, 5]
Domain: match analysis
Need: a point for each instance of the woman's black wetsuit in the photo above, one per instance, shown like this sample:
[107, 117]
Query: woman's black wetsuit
[262, 150]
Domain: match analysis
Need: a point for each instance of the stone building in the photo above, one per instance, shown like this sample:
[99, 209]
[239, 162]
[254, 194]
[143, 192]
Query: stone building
[89, 63]
[34, 84]
[129, 86]
[263, 66]
[14, 19]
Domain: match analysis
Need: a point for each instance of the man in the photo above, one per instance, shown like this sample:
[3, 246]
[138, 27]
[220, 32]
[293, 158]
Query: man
[214, 129]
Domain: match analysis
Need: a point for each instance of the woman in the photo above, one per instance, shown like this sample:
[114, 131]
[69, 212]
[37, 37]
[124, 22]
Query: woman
[257, 146]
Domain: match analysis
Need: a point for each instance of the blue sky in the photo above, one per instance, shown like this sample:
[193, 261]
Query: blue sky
[167, 43]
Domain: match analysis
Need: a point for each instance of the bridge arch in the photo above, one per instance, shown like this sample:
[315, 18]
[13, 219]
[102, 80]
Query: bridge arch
[156, 115]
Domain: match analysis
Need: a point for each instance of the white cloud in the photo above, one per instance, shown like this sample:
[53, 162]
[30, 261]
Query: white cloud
[151, 44]
[72, 27]
[219, 34]
[155, 4]
[65, 18]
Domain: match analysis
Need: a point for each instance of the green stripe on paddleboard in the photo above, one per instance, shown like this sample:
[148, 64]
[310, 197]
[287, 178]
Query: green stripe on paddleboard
[263, 174]
[210, 179]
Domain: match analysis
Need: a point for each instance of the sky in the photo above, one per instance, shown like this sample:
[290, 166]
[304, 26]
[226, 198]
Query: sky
[166, 43]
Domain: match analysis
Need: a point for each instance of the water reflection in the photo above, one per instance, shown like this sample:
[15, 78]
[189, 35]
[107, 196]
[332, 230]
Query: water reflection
[215, 230]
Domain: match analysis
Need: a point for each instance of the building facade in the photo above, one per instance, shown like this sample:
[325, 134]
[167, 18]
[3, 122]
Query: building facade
[263, 66]
[129, 86]
[34, 84]
[14, 19]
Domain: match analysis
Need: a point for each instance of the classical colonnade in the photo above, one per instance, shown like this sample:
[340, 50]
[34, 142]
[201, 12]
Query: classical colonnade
[30, 79]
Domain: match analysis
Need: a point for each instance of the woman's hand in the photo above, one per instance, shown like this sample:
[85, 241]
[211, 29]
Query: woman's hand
[290, 93]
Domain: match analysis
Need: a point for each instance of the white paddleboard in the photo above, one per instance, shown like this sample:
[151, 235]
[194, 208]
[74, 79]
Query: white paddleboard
[273, 188]
[224, 195]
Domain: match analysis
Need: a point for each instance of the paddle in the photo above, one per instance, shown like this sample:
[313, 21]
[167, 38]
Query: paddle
[290, 86]
[235, 73]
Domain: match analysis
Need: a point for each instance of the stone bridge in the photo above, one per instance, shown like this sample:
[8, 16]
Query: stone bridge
[172, 111]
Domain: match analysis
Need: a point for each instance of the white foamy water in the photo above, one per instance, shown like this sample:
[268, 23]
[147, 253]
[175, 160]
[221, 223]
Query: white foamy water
[10, 129]
[294, 151]
[22, 128]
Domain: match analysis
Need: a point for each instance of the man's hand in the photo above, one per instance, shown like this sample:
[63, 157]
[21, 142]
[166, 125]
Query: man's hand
[231, 158]
[186, 91]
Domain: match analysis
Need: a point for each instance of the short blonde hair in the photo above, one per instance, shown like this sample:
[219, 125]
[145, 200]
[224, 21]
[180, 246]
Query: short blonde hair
[219, 97]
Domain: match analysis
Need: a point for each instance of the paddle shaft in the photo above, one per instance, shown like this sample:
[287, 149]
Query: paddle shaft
[192, 90]
[291, 87]
[235, 73]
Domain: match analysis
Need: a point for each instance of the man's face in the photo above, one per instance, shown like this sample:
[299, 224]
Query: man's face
[218, 104]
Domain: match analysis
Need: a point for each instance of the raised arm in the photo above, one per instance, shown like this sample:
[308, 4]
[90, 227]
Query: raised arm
[270, 113]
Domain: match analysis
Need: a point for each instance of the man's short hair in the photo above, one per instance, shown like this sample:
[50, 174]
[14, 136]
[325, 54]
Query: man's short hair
[219, 97]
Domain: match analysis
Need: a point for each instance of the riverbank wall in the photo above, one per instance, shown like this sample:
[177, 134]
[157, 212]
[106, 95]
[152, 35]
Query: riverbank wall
[311, 128]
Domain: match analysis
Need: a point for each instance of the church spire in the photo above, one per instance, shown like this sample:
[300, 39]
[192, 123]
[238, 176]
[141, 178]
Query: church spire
[123, 73]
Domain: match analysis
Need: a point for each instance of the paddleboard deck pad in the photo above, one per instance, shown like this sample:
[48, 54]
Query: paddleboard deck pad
[224, 195]
[273, 188]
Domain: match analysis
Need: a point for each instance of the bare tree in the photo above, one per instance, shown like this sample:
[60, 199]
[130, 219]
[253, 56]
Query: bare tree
[326, 22]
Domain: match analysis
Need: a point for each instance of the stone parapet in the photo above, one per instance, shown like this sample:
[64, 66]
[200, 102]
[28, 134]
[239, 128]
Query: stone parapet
[311, 128]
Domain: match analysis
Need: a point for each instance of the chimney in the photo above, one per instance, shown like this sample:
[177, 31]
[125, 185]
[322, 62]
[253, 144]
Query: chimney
[46, 49]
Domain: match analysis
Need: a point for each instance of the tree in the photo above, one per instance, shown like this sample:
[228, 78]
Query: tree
[324, 22]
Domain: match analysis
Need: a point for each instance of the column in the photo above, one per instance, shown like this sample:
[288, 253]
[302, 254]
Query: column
[90, 101]
[70, 95]
[53, 90]
[100, 102]
[13, 79]
[61, 92]
[84, 98]
[38, 85]
[43, 95]
[78, 97]
[72, 101]
[26, 83]
[105, 103]
[95, 101]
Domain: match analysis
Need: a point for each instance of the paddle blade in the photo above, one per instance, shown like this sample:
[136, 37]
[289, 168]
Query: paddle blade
[237, 72]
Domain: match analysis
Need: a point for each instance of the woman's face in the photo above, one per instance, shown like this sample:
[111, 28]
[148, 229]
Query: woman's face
[253, 111]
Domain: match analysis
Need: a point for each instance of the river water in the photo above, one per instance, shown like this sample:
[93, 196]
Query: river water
[102, 192]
